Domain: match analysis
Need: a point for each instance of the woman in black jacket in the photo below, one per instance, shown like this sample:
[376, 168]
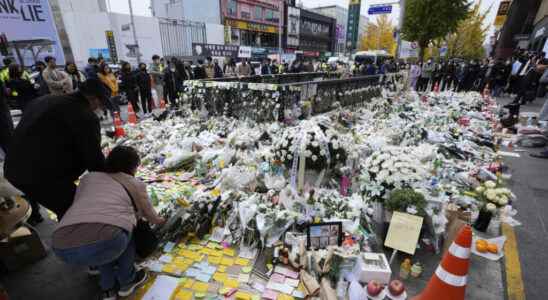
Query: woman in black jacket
[145, 88]
[172, 80]
[129, 86]
[19, 90]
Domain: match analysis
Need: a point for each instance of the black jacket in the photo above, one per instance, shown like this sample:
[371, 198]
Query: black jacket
[143, 80]
[172, 80]
[199, 72]
[57, 139]
[21, 92]
[6, 122]
[128, 84]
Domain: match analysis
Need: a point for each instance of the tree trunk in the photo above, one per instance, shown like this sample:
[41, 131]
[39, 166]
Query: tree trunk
[422, 48]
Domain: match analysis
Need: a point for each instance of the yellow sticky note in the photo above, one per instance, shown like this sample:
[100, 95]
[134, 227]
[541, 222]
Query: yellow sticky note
[172, 269]
[200, 287]
[211, 245]
[227, 261]
[214, 260]
[206, 251]
[220, 277]
[242, 296]
[284, 297]
[243, 278]
[183, 295]
[188, 284]
[194, 247]
[242, 261]
[221, 269]
[216, 253]
[229, 251]
[186, 253]
[232, 283]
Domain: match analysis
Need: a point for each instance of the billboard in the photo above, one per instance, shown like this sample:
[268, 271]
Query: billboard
[502, 13]
[30, 29]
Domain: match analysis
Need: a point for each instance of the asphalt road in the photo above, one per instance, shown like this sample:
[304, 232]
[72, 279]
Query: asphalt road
[530, 184]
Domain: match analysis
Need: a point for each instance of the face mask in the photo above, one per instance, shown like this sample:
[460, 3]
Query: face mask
[172, 69]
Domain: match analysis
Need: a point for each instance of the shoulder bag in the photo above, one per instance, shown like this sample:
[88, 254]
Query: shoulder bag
[146, 241]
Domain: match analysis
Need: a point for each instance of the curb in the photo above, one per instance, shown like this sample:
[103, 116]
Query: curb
[512, 265]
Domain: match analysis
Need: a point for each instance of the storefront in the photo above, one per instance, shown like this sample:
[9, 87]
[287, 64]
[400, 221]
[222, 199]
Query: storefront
[251, 23]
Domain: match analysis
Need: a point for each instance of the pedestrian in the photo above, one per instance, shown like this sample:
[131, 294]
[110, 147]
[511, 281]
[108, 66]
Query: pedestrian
[471, 76]
[265, 67]
[97, 230]
[58, 82]
[209, 68]
[157, 74]
[437, 75]
[128, 86]
[229, 68]
[109, 79]
[171, 81]
[57, 139]
[20, 92]
[6, 122]
[426, 75]
[145, 88]
[370, 69]
[92, 68]
[187, 72]
[514, 75]
[243, 69]
[414, 75]
[529, 83]
[39, 83]
[200, 70]
[274, 67]
[76, 76]
[4, 71]
[499, 74]
[448, 73]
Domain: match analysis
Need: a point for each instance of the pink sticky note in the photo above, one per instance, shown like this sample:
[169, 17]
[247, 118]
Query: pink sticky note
[270, 295]
[278, 278]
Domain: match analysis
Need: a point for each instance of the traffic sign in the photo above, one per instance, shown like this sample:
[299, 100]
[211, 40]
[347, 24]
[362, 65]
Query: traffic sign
[380, 9]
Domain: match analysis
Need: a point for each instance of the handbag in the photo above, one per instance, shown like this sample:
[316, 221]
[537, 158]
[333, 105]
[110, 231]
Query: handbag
[146, 241]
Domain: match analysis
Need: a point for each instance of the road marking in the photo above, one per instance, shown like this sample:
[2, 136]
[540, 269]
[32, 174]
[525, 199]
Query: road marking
[514, 280]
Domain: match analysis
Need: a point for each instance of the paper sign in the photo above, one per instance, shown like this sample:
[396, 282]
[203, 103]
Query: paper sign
[403, 232]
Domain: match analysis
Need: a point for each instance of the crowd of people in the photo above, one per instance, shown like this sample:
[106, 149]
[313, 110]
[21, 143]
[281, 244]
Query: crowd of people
[519, 75]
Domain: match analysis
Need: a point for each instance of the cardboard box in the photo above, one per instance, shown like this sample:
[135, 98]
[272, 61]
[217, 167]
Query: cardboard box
[21, 248]
[372, 266]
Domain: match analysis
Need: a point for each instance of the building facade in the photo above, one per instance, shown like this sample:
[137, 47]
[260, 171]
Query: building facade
[519, 27]
[254, 23]
[539, 35]
[340, 14]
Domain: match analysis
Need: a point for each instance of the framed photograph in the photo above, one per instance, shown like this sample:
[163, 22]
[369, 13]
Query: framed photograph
[322, 235]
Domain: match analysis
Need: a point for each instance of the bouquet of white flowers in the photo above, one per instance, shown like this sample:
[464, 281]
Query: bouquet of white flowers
[493, 195]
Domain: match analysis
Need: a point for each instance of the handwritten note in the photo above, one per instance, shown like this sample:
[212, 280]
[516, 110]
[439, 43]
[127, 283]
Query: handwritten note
[403, 232]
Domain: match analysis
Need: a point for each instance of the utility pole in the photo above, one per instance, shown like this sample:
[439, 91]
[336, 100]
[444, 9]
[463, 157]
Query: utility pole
[134, 32]
[400, 26]
[280, 30]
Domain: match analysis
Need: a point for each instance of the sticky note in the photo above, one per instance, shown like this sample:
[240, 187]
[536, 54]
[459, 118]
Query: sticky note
[227, 261]
[229, 252]
[270, 295]
[243, 278]
[200, 287]
[220, 277]
[188, 284]
[214, 260]
[242, 296]
[285, 297]
[199, 295]
[232, 283]
[242, 261]
[194, 247]
[221, 269]
[247, 269]
[203, 277]
[212, 245]
[216, 253]
[224, 290]
[278, 278]
[206, 251]
[183, 295]
[166, 258]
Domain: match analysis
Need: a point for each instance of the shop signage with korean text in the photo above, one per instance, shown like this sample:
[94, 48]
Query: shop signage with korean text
[205, 50]
[352, 28]
[251, 26]
[111, 43]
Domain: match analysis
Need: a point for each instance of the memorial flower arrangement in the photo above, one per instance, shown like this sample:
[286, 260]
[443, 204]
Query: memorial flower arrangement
[493, 195]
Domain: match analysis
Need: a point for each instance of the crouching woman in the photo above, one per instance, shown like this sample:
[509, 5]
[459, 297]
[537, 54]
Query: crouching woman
[97, 229]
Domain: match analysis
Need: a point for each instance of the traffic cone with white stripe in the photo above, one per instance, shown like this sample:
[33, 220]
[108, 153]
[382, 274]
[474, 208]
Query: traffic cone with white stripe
[131, 116]
[118, 129]
[449, 280]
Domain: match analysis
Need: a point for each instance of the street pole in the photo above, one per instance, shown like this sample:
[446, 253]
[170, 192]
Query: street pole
[400, 25]
[134, 32]
[280, 29]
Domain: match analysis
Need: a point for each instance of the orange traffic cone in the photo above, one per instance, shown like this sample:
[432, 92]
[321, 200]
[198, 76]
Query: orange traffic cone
[131, 116]
[449, 280]
[118, 129]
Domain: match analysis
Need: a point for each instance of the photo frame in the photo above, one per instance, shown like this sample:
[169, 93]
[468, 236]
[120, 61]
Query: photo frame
[322, 235]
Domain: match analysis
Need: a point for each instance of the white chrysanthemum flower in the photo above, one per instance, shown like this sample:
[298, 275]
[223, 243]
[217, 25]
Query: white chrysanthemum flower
[480, 189]
[308, 153]
[490, 184]
[314, 158]
[491, 207]
[491, 195]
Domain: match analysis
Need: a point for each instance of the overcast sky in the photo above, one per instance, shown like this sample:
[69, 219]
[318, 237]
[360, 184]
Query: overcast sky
[141, 7]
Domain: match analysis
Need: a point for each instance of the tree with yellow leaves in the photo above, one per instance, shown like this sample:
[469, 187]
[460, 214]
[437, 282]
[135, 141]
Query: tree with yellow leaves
[379, 36]
[467, 41]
